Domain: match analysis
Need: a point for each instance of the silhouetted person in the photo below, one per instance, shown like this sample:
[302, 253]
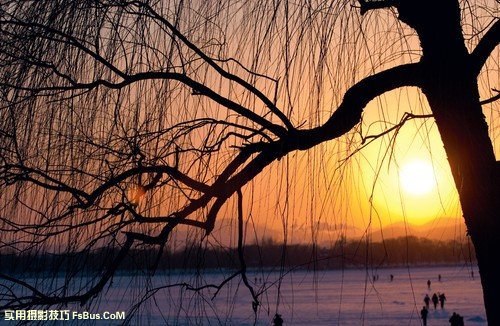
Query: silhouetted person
[277, 321]
[423, 313]
[429, 284]
[472, 274]
[442, 299]
[427, 301]
[439, 277]
[456, 320]
[435, 300]
[461, 321]
[392, 277]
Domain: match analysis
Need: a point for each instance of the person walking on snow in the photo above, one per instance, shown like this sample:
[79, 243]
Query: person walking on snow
[456, 320]
[435, 300]
[277, 321]
[423, 313]
[442, 299]
[427, 301]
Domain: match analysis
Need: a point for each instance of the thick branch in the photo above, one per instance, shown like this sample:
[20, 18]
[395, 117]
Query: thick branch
[348, 114]
[367, 5]
[484, 48]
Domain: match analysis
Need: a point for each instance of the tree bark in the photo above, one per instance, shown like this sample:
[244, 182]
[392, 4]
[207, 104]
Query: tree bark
[450, 85]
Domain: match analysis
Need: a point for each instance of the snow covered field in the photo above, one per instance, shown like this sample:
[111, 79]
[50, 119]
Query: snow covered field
[349, 297]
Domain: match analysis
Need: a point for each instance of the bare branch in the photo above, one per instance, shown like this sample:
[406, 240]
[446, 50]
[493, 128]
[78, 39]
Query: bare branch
[213, 64]
[406, 117]
[200, 89]
[41, 299]
[491, 99]
[241, 256]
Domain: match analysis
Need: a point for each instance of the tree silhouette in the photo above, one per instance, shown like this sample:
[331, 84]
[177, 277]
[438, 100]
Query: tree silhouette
[122, 121]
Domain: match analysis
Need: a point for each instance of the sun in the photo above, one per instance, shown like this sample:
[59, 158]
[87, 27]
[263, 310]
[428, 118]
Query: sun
[417, 177]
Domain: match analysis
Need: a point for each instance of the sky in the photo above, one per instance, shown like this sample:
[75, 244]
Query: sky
[401, 177]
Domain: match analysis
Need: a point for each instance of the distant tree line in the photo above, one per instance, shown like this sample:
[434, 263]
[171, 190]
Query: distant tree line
[268, 254]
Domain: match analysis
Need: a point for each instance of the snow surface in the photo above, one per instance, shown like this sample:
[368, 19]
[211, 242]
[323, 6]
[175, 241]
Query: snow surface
[348, 297]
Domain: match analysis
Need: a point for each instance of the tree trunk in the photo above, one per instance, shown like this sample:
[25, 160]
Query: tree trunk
[465, 136]
[450, 85]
